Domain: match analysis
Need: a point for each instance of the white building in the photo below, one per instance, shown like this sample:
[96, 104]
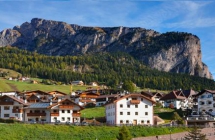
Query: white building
[11, 107]
[39, 106]
[130, 109]
[174, 99]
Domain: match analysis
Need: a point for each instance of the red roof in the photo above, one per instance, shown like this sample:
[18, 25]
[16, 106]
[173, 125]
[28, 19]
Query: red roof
[174, 95]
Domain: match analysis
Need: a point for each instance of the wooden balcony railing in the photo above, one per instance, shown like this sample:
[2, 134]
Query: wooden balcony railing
[54, 114]
[76, 114]
[6, 103]
[17, 110]
[36, 114]
[66, 106]
[134, 102]
[86, 100]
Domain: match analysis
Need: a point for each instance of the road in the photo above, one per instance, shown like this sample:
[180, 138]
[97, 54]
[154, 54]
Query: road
[210, 135]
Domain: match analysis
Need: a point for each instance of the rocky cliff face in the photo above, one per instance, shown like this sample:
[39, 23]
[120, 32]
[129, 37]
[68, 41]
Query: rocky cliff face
[182, 55]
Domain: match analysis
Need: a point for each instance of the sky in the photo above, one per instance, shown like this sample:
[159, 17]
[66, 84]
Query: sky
[193, 16]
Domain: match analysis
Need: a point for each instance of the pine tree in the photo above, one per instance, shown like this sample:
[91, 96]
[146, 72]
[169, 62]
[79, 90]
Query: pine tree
[195, 134]
[124, 134]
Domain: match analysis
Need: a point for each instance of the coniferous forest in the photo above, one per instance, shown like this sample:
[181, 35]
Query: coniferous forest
[105, 68]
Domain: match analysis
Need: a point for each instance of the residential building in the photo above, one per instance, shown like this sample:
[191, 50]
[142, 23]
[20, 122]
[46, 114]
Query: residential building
[203, 111]
[40, 106]
[174, 99]
[134, 109]
[103, 99]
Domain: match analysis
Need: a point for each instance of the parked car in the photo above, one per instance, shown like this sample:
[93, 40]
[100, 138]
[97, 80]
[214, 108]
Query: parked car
[68, 123]
[33, 122]
[77, 123]
[84, 123]
[57, 122]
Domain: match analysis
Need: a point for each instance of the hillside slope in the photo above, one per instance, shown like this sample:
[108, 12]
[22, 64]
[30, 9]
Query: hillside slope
[171, 52]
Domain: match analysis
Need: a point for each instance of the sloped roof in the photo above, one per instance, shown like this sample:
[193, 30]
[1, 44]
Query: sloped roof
[15, 99]
[132, 95]
[58, 92]
[39, 105]
[174, 95]
[147, 94]
[104, 96]
[189, 92]
[205, 90]
[50, 106]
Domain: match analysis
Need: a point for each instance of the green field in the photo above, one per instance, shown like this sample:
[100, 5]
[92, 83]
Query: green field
[95, 112]
[65, 132]
[7, 85]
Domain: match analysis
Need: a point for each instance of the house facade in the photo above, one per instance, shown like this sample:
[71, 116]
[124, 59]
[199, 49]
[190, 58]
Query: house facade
[134, 109]
[40, 107]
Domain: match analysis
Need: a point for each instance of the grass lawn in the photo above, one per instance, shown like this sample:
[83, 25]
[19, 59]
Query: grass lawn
[7, 85]
[93, 112]
[64, 132]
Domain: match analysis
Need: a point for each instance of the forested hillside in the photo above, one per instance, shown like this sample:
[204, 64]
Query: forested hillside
[103, 67]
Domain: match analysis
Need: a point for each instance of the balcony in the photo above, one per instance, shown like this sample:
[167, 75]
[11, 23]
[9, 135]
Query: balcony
[17, 111]
[66, 106]
[86, 100]
[134, 102]
[36, 114]
[6, 103]
[76, 114]
[54, 114]
[200, 119]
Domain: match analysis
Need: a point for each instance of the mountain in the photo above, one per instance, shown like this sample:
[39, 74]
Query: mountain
[171, 52]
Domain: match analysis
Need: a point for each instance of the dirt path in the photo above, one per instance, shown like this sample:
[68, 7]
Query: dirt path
[14, 88]
[210, 135]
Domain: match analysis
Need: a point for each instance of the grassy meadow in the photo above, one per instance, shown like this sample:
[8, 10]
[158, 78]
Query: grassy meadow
[90, 113]
[7, 85]
[65, 132]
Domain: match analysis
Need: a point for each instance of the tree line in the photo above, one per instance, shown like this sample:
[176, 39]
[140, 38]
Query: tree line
[107, 68]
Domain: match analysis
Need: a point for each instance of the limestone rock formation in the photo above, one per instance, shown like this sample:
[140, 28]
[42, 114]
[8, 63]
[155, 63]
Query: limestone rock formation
[171, 52]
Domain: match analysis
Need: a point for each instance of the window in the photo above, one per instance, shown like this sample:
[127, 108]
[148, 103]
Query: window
[6, 115]
[128, 113]
[209, 102]
[16, 115]
[43, 111]
[136, 113]
[126, 98]
[134, 98]
[146, 106]
[127, 121]
[6, 107]
[146, 113]
[148, 121]
[68, 118]
[142, 121]
[55, 119]
[63, 111]
[121, 113]
[141, 99]
[121, 106]
[68, 111]
[136, 106]
[63, 119]
[121, 121]
[55, 111]
[128, 106]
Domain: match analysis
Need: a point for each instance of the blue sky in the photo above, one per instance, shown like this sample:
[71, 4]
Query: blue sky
[196, 17]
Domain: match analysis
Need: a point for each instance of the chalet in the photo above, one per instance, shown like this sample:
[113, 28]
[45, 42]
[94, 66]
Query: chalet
[39, 106]
[12, 107]
[93, 84]
[77, 83]
[86, 98]
[203, 111]
[133, 109]
[174, 99]
[103, 99]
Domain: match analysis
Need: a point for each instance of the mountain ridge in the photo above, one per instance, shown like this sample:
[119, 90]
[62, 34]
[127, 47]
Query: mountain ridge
[171, 52]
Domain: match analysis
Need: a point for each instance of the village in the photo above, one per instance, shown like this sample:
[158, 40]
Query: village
[121, 107]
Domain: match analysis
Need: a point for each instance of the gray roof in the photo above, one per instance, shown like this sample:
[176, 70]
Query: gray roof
[39, 105]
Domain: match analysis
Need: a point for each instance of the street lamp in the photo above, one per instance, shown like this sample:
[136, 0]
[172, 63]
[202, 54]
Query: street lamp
[170, 134]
